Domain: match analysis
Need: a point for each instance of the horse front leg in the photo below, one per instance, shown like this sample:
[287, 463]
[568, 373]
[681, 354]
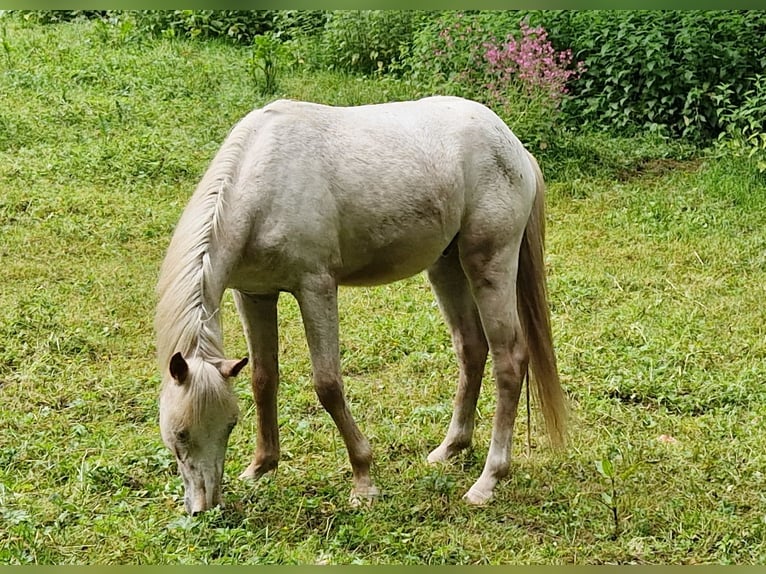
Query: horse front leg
[259, 319]
[318, 302]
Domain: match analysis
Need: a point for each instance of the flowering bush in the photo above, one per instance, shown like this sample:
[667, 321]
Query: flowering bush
[531, 64]
[523, 79]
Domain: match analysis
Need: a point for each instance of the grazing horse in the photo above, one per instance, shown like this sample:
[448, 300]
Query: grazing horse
[303, 198]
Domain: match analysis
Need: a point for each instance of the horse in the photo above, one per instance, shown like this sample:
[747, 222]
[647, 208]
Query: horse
[303, 198]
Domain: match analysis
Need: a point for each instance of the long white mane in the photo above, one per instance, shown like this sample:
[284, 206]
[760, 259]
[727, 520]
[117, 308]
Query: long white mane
[183, 321]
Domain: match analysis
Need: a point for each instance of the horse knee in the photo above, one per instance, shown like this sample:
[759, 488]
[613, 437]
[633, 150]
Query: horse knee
[511, 363]
[520, 352]
[473, 355]
[330, 392]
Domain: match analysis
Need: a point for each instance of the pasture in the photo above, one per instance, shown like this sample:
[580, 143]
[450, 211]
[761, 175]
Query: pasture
[657, 277]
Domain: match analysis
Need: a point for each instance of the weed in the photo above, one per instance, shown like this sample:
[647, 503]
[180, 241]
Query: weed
[268, 53]
[605, 468]
[6, 44]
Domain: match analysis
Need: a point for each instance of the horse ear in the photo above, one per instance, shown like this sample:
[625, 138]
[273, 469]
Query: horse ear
[179, 369]
[231, 368]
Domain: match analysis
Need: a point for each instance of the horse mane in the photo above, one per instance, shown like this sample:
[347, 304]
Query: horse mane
[182, 320]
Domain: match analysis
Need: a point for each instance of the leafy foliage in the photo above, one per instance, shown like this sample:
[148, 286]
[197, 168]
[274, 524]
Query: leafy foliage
[522, 78]
[237, 25]
[240, 26]
[368, 41]
[299, 23]
[678, 73]
[57, 16]
[446, 47]
[744, 124]
[268, 54]
[659, 70]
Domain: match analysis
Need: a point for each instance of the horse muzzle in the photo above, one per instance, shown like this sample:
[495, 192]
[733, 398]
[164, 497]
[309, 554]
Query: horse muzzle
[201, 493]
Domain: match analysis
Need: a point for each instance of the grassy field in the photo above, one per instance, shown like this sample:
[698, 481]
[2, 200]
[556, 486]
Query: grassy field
[657, 283]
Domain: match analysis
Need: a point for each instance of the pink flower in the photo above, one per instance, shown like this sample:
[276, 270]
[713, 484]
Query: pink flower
[533, 61]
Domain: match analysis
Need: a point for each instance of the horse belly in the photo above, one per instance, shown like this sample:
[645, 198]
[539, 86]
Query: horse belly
[377, 257]
[389, 267]
[390, 232]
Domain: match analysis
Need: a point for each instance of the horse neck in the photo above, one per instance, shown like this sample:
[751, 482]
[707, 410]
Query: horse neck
[199, 259]
[192, 281]
[188, 316]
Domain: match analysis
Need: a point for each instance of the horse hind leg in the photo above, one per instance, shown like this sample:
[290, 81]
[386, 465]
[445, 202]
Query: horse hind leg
[493, 282]
[318, 302]
[453, 294]
[259, 320]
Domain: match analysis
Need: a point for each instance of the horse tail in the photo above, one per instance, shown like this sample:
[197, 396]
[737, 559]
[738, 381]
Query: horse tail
[532, 301]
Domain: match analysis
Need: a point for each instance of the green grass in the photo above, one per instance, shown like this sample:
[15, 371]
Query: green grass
[657, 278]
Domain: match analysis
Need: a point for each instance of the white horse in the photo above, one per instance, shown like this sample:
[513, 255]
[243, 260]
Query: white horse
[303, 198]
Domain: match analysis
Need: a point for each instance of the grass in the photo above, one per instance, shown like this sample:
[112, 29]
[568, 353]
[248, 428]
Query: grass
[657, 275]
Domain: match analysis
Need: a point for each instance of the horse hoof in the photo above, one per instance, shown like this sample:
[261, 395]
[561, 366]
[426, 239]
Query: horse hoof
[438, 455]
[256, 471]
[475, 497]
[364, 496]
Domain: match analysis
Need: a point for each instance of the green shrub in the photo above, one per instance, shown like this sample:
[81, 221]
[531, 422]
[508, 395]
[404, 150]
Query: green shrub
[57, 16]
[368, 41]
[237, 25]
[291, 24]
[432, 60]
[744, 124]
[658, 70]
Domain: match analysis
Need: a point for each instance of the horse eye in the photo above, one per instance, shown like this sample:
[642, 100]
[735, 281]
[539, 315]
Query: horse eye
[182, 436]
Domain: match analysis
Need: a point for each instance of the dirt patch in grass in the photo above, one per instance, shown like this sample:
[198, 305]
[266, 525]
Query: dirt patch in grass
[658, 167]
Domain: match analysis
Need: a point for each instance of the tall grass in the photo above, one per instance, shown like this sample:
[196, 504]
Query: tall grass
[657, 277]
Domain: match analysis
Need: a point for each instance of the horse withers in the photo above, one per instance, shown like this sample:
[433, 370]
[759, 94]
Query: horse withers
[303, 198]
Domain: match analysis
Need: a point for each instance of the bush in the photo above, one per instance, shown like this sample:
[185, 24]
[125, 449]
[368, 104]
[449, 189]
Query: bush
[368, 41]
[658, 70]
[522, 78]
[529, 66]
[57, 16]
[238, 25]
[744, 125]
[292, 24]
[433, 60]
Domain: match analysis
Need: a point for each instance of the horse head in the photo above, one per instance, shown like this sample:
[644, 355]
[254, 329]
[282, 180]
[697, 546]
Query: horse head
[198, 410]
